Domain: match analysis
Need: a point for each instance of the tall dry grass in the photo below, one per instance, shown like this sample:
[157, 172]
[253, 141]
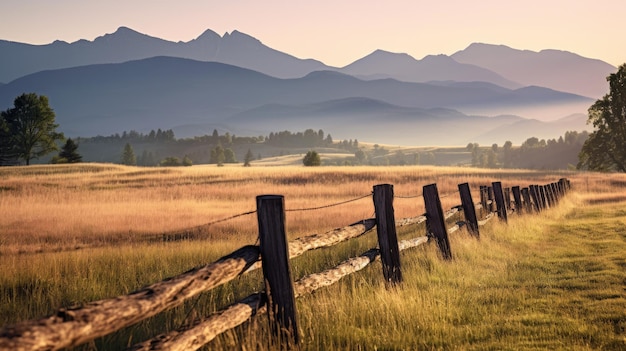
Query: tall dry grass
[49, 208]
[71, 234]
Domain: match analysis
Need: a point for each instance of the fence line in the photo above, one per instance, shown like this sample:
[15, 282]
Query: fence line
[73, 326]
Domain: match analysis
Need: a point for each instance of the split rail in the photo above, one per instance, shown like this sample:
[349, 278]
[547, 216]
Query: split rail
[70, 327]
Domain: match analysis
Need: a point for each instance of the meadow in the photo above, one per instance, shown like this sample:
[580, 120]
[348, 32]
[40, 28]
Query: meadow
[70, 234]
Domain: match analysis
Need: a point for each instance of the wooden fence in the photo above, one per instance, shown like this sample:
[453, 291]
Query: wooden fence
[70, 327]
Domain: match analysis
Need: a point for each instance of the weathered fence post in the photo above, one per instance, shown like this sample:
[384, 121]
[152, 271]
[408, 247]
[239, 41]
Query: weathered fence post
[483, 199]
[555, 193]
[517, 198]
[499, 196]
[563, 185]
[490, 198]
[275, 260]
[544, 197]
[534, 193]
[549, 194]
[386, 230]
[469, 211]
[507, 198]
[434, 219]
[528, 205]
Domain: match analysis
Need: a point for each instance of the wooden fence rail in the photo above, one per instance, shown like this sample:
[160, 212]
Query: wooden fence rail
[70, 327]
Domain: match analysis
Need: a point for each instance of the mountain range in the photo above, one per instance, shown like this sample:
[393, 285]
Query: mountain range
[128, 80]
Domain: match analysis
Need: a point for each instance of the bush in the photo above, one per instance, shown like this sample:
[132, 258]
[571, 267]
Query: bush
[170, 162]
[312, 158]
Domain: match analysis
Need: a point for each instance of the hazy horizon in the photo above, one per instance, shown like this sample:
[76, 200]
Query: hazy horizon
[336, 33]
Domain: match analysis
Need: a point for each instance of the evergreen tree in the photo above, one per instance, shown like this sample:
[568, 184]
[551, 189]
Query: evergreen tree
[229, 156]
[128, 156]
[248, 158]
[217, 155]
[69, 153]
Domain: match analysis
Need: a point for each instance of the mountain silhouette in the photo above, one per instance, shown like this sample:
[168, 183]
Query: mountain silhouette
[167, 92]
[555, 69]
[125, 44]
[383, 64]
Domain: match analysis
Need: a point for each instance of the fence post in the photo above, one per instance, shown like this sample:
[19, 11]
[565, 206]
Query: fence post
[500, 205]
[507, 198]
[490, 198]
[386, 230]
[469, 211]
[563, 185]
[275, 260]
[549, 195]
[434, 219]
[544, 197]
[534, 192]
[528, 205]
[555, 192]
[483, 199]
[517, 199]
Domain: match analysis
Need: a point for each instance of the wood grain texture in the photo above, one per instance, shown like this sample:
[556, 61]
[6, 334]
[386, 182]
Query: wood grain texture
[74, 326]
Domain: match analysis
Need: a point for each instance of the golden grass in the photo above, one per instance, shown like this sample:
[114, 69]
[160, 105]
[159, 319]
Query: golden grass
[75, 233]
[62, 207]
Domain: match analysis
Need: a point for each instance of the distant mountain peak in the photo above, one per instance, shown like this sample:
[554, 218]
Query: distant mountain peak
[208, 34]
[124, 33]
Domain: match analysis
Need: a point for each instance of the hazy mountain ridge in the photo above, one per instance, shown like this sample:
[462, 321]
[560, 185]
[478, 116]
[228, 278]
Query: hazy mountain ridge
[559, 70]
[383, 64]
[128, 80]
[167, 92]
[500, 65]
[125, 44]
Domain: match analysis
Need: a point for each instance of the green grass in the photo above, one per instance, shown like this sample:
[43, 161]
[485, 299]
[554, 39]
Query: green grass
[543, 283]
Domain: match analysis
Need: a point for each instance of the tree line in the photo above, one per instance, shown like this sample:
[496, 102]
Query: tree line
[561, 153]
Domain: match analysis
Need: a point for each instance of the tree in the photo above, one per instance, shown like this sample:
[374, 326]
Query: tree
[217, 155]
[128, 156]
[31, 127]
[187, 162]
[508, 160]
[68, 152]
[360, 155]
[605, 149]
[312, 158]
[229, 156]
[248, 158]
[7, 153]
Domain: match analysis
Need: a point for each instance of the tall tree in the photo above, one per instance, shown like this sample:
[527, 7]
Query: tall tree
[128, 156]
[605, 149]
[248, 158]
[31, 127]
[229, 156]
[68, 152]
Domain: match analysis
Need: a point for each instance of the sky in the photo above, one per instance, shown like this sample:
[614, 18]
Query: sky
[337, 32]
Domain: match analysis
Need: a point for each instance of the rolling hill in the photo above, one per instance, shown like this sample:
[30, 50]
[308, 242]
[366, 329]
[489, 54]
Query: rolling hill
[167, 92]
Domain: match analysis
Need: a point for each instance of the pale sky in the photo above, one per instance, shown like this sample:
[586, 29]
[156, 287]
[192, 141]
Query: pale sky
[337, 32]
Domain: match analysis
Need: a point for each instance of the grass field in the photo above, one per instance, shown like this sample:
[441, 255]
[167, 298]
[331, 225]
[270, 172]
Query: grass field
[70, 234]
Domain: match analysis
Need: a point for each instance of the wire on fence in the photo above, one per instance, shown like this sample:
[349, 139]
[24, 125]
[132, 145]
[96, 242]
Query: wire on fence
[227, 219]
[327, 206]
[408, 196]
